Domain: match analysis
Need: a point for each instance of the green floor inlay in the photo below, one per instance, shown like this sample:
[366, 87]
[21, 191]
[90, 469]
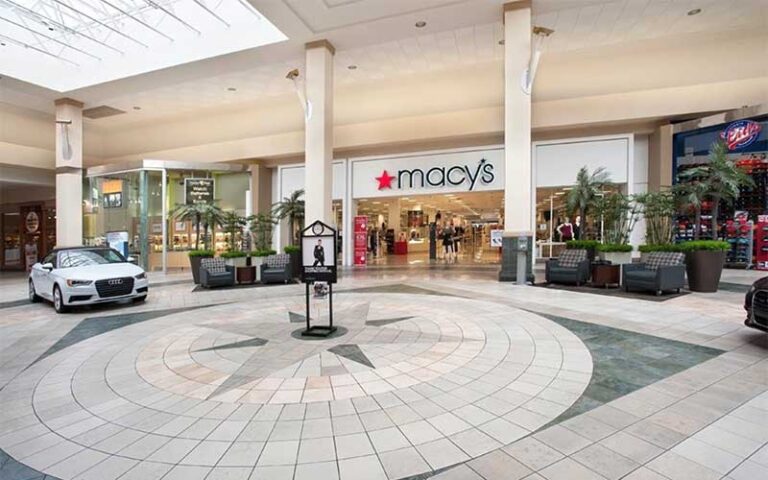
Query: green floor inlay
[625, 361]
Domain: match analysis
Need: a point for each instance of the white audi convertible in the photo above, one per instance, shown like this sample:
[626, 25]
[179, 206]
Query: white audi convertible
[75, 276]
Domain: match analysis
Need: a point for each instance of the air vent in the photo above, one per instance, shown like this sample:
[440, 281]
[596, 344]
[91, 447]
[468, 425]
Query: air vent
[102, 111]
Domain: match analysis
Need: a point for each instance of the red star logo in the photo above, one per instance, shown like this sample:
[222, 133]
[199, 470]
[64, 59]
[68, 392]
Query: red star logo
[385, 180]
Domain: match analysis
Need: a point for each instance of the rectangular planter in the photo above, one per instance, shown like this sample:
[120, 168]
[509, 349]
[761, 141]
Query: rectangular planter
[237, 261]
[616, 258]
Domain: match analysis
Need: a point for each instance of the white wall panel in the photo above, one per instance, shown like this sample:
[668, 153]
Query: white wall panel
[557, 163]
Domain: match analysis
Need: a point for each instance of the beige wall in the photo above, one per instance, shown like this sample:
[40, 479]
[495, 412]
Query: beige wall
[627, 84]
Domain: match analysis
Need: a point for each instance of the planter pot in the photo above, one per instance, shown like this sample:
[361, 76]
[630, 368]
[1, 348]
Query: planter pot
[295, 265]
[194, 263]
[256, 262]
[616, 258]
[236, 261]
[704, 268]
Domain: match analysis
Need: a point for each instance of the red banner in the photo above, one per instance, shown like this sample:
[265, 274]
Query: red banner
[361, 239]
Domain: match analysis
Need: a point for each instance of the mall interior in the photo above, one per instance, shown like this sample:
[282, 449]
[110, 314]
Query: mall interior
[623, 85]
[442, 141]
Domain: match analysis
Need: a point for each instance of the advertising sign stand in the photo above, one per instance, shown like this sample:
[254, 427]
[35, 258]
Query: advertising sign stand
[318, 267]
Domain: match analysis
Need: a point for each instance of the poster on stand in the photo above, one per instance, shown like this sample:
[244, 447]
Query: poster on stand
[496, 236]
[118, 241]
[318, 253]
[361, 240]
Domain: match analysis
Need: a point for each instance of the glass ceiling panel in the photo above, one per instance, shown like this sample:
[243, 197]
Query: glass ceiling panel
[69, 44]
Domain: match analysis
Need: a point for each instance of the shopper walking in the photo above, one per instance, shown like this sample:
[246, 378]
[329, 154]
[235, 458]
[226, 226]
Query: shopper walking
[448, 235]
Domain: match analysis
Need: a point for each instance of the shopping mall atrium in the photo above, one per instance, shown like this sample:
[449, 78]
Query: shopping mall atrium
[383, 239]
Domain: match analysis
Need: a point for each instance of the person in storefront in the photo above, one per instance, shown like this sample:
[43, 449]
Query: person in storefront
[565, 230]
[457, 240]
[448, 234]
[373, 241]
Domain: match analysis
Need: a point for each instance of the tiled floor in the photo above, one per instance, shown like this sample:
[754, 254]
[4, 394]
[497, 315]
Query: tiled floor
[448, 376]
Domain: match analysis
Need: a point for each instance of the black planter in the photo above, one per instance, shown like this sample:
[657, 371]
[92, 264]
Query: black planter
[704, 268]
[295, 264]
[194, 263]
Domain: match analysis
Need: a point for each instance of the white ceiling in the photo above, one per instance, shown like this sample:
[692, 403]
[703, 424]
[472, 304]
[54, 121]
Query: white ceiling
[380, 39]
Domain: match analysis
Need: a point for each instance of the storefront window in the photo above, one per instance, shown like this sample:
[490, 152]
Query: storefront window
[132, 204]
[747, 145]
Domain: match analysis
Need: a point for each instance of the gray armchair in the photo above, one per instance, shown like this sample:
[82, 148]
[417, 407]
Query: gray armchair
[276, 269]
[572, 266]
[214, 272]
[661, 271]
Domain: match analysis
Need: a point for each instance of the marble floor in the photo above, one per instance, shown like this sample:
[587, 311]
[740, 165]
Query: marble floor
[439, 373]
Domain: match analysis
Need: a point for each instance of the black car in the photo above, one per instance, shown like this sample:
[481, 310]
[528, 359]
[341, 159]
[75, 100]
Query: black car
[756, 305]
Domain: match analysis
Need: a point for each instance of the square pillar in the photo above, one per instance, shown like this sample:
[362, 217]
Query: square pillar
[319, 132]
[518, 179]
[69, 172]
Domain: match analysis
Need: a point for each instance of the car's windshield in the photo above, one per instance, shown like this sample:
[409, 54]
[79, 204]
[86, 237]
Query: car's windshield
[85, 257]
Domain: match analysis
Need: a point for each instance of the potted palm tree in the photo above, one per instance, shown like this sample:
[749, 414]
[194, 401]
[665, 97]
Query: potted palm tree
[585, 192]
[619, 214]
[719, 180]
[193, 212]
[201, 214]
[262, 225]
[292, 208]
[658, 210]
[233, 227]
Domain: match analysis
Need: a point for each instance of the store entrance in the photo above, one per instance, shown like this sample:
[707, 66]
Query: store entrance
[433, 229]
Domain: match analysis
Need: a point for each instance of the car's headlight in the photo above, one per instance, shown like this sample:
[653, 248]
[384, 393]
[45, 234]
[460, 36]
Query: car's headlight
[140, 276]
[78, 283]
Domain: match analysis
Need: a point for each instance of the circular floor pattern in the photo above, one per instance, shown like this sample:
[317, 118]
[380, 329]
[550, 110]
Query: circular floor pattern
[227, 387]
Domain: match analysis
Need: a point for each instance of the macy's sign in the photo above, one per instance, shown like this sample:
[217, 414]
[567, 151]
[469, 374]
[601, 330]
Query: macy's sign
[457, 175]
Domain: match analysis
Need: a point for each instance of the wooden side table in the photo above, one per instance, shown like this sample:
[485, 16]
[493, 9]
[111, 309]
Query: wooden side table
[606, 274]
[245, 274]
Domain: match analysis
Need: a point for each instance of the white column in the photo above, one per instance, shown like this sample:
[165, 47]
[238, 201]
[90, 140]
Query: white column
[319, 132]
[69, 172]
[518, 196]
[393, 216]
[518, 177]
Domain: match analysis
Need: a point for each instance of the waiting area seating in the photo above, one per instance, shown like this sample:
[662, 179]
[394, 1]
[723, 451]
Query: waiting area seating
[276, 269]
[572, 266]
[660, 272]
[214, 272]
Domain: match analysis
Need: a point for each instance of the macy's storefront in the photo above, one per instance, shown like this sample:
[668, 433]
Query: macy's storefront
[392, 210]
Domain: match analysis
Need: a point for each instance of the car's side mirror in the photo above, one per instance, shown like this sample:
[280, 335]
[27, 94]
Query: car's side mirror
[132, 260]
[47, 266]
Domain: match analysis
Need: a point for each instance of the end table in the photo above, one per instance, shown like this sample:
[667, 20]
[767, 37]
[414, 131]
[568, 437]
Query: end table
[606, 274]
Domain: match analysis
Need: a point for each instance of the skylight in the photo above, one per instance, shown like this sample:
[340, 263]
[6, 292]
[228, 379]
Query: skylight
[68, 44]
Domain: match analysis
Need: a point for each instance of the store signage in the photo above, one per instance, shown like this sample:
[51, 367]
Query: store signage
[455, 175]
[198, 190]
[361, 239]
[741, 134]
[32, 222]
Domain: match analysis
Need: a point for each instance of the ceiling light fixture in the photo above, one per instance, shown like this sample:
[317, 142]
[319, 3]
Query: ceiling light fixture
[693, 12]
[420, 24]
[232, 89]
[501, 42]
[352, 67]
[137, 108]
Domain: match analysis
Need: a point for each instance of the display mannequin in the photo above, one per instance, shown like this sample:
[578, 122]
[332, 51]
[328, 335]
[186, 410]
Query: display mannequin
[577, 228]
[565, 230]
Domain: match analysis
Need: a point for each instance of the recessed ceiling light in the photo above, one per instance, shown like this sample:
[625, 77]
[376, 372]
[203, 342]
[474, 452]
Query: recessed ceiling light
[137, 108]
[693, 12]
[501, 42]
[420, 24]
[232, 89]
[352, 67]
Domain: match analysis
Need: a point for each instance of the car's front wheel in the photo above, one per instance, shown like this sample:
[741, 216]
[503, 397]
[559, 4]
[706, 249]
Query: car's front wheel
[58, 300]
[33, 296]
